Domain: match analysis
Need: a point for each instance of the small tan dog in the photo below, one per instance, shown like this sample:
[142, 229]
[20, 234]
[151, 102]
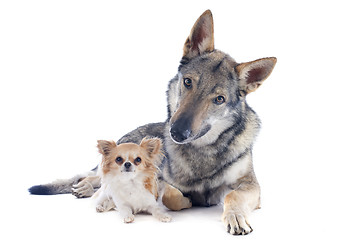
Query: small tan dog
[129, 179]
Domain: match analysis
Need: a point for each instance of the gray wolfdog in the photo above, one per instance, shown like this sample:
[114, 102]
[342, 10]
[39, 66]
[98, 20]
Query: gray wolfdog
[208, 135]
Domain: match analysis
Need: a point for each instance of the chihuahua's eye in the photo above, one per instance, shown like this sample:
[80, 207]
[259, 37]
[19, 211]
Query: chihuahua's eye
[219, 100]
[187, 82]
[137, 160]
[119, 160]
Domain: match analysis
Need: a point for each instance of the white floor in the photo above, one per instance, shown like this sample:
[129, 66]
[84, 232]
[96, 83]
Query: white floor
[65, 217]
[73, 72]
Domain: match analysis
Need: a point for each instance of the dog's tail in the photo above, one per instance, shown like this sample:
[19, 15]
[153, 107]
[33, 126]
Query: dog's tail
[60, 186]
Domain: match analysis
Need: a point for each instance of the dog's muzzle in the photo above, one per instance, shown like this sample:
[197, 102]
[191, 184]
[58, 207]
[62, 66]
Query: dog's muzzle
[127, 167]
[180, 131]
[180, 136]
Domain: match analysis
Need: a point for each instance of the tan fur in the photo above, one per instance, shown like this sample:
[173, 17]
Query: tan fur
[174, 200]
[239, 178]
[112, 151]
[151, 186]
[94, 180]
[199, 110]
[108, 151]
[87, 185]
[204, 37]
[257, 70]
[148, 151]
[129, 179]
[238, 205]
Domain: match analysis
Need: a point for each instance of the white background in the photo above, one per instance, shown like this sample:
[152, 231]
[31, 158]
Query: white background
[73, 72]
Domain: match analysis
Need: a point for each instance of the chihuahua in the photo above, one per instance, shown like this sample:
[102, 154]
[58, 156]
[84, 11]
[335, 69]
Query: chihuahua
[129, 179]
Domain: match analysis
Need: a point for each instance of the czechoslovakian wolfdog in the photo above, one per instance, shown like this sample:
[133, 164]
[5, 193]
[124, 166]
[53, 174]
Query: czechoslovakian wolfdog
[208, 135]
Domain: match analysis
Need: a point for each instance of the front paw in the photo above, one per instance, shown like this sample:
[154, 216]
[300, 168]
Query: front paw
[100, 209]
[82, 189]
[164, 217]
[128, 219]
[236, 223]
[105, 206]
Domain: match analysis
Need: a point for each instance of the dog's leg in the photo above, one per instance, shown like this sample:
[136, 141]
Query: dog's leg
[60, 186]
[159, 214]
[238, 204]
[103, 203]
[85, 188]
[106, 205]
[174, 200]
[126, 213]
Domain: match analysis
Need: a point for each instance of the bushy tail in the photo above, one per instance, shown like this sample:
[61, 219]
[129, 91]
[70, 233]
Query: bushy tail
[60, 186]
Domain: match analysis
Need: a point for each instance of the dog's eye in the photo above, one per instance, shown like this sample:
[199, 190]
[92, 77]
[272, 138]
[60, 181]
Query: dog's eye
[219, 100]
[119, 160]
[137, 160]
[187, 82]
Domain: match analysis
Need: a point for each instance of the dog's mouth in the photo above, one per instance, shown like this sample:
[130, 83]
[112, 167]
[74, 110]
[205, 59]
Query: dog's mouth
[186, 136]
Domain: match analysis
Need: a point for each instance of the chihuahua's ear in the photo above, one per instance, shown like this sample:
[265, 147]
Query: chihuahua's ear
[252, 74]
[152, 145]
[201, 38]
[105, 147]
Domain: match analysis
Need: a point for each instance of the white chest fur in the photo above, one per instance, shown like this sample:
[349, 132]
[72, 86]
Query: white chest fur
[130, 192]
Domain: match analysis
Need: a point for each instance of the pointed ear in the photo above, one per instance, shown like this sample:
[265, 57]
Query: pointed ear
[252, 74]
[201, 38]
[152, 145]
[105, 147]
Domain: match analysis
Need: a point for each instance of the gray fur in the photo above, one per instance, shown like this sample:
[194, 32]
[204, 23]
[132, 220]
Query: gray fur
[208, 136]
[150, 130]
[198, 169]
[60, 186]
[207, 142]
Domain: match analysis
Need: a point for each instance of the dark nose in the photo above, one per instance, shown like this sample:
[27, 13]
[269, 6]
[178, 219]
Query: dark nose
[127, 165]
[180, 131]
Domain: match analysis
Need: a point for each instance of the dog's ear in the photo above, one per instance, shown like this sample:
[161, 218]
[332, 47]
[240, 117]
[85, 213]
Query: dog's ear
[105, 146]
[201, 38]
[252, 74]
[151, 145]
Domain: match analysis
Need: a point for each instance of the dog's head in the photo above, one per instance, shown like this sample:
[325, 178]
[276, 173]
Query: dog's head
[211, 87]
[130, 158]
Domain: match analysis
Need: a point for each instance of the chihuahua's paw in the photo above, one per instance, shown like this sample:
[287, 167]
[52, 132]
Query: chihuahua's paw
[82, 189]
[105, 206]
[161, 215]
[236, 223]
[100, 209]
[128, 219]
[164, 217]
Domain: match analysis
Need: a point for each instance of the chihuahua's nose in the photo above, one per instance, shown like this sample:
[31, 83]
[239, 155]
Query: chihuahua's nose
[127, 165]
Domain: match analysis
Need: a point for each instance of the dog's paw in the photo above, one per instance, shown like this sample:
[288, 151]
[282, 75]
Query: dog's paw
[105, 206]
[100, 209]
[160, 214]
[236, 223]
[174, 200]
[164, 217]
[128, 219]
[82, 189]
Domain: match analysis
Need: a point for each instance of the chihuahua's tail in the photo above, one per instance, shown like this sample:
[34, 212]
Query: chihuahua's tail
[60, 186]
